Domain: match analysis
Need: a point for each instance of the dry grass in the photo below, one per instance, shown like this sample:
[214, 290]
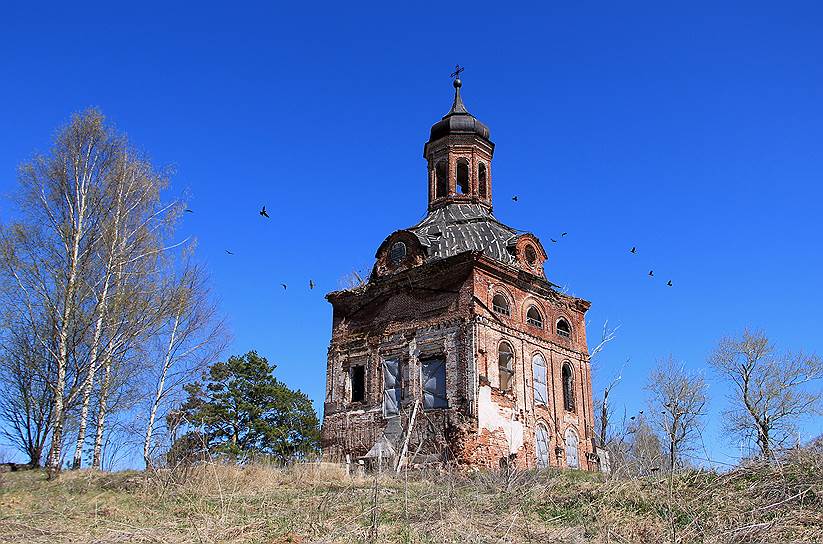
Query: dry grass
[319, 503]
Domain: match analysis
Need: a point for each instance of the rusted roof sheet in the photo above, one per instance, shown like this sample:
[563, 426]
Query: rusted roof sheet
[460, 227]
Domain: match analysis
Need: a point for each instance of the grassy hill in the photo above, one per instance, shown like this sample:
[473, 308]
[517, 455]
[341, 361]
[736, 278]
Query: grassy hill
[319, 503]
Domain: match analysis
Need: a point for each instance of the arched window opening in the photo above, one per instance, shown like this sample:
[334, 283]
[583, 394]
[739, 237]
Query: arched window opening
[568, 387]
[534, 318]
[397, 252]
[481, 180]
[441, 173]
[572, 460]
[500, 304]
[541, 446]
[531, 255]
[462, 176]
[563, 328]
[541, 391]
[505, 366]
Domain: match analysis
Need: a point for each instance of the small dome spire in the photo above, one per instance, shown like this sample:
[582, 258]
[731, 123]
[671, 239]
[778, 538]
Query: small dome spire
[458, 120]
[457, 106]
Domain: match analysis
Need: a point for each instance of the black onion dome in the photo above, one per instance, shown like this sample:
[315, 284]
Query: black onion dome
[458, 120]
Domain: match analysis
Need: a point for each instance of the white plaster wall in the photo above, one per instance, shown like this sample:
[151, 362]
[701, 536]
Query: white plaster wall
[493, 417]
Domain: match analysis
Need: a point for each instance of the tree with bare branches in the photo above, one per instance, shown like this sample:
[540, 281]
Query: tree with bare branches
[191, 337]
[771, 391]
[677, 405]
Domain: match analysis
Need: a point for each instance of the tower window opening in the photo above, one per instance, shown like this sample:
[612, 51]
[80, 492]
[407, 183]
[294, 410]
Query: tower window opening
[563, 328]
[505, 366]
[462, 177]
[481, 180]
[500, 304]
[534, 318]
[441, 174]
[568, 387]
[357, 376]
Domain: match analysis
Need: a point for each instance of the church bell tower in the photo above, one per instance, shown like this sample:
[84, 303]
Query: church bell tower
[459, 155]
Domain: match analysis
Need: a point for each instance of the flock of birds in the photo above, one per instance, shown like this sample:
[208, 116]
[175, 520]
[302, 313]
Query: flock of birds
[633, 250]
[264, 214]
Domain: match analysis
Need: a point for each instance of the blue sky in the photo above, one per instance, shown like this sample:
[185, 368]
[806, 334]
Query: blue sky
[692, 132]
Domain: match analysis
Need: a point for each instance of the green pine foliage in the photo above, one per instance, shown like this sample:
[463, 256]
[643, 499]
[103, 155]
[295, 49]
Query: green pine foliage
[240, 409]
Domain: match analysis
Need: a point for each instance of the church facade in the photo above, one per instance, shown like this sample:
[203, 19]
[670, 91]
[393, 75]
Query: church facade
[457, 348]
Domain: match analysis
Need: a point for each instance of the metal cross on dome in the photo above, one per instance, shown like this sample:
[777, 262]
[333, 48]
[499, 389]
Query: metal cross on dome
[457, 70]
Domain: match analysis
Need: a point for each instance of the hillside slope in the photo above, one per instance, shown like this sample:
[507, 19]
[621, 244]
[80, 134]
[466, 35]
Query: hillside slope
[318, 503]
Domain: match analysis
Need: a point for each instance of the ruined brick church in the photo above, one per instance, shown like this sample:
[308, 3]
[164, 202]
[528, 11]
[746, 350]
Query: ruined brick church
[457, 348]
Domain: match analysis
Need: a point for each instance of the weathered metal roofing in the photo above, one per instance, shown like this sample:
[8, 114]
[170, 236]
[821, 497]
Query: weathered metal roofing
[460, 227]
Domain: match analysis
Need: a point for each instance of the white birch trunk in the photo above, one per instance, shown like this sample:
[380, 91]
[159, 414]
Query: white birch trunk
[161, 382]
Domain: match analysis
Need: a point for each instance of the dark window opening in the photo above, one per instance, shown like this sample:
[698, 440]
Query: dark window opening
[434, 383]
[397, 252]
[441, 173]
[568, 387]
[501, 305]
[505, 366]
[563, 328]
[357, 375]
[531, 255]
[462, 176]
[534, 318]
[481, 180]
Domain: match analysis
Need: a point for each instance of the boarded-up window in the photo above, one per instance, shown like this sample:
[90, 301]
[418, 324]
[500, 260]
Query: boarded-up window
[357, 375]
[571, 449]
[434, 383]
[541, 446]
[391, 388]
[541, 392]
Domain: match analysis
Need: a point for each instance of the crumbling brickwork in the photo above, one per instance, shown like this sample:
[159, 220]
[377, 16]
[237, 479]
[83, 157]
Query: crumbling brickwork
[458, 347]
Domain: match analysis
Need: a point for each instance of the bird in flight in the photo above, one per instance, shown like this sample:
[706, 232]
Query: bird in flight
[634, 249]
[669, 283]
[189, 210]
[514, 198]
[553, 240]
[284, 286]
[564, 234]
[229, 252]
[651, 273]
[311, 284]
[263, 212]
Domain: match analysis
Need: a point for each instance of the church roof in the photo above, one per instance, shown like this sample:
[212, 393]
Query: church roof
[458, 120]
[460, 227]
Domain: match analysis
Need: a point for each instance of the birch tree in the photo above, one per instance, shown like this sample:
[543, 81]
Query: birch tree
[191, 338]
[133, 241]
[771, 391]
